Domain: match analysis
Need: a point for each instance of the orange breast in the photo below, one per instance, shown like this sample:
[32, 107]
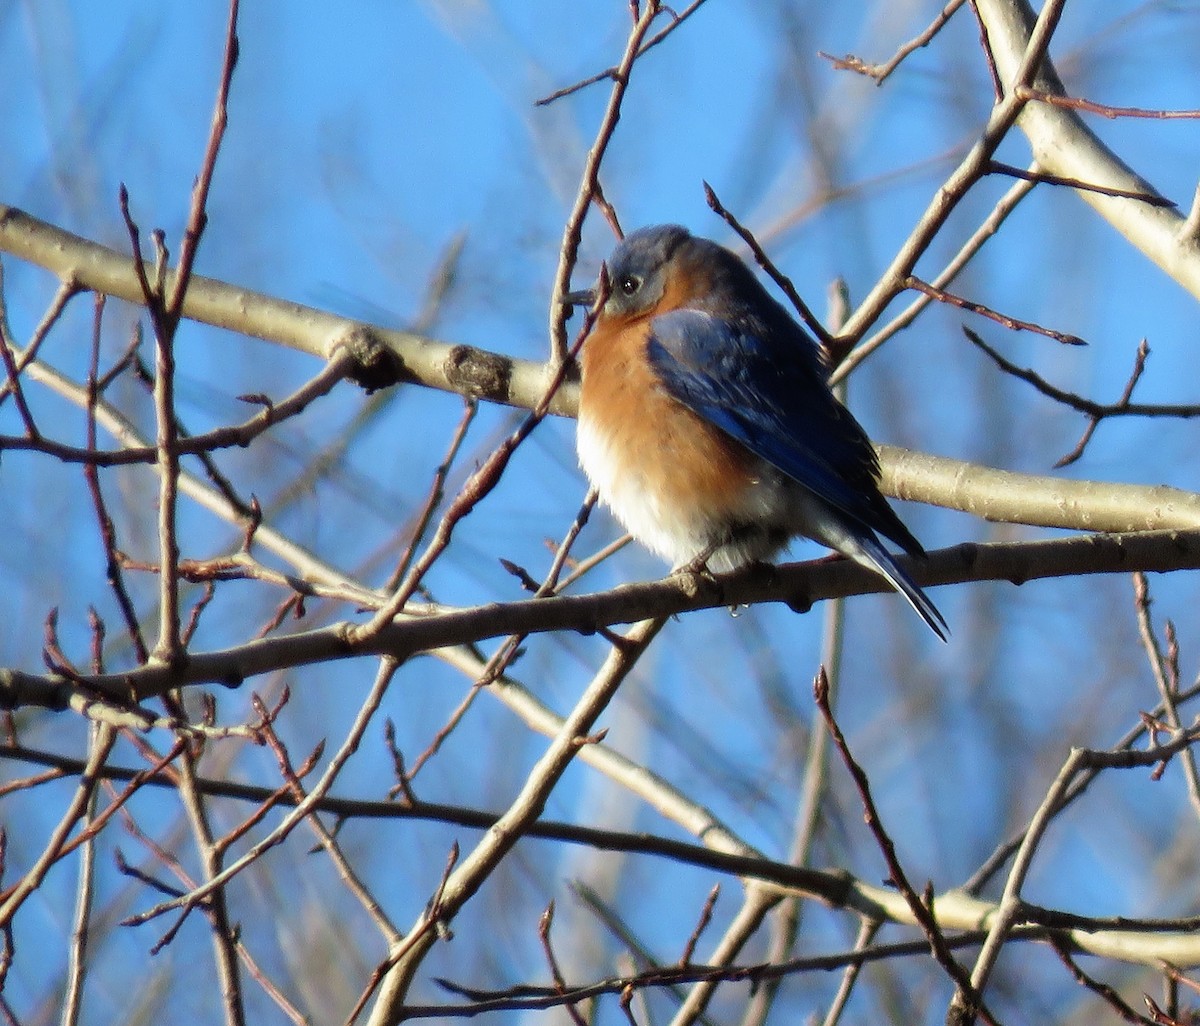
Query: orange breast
[653, 443]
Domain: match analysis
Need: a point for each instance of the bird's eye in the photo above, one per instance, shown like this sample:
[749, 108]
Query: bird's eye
[629, 284]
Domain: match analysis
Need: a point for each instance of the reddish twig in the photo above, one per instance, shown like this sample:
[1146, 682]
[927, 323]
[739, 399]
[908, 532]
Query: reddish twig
[108, 532]
[31, 782]
[402, 787]
[1095, 411]
[971, 1000]
[198, 214]
[125, 868]
[510, 650]
[780, 279]
[613, 72]
[590, 182]
[706, 914]
[1012, 323]
[13, 376]
[67, 289]
[53, 657]
[435, 494]
[1159, 1017]
[879, 72]
[989, 56]
[1011, 171]
[473, 491]
[500, 661]
[1121, 407]
[1104, 109]
[545, 922]
[291, 604]
[1103, 991]
[1165, 669]
[287, 791]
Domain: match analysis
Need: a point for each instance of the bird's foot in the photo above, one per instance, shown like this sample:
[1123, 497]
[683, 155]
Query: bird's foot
[698, 564]
[697, 574]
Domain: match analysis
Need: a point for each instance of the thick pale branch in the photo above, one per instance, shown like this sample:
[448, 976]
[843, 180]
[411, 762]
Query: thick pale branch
[1063, 145]
[993, 494]
[1010, 497]
[384, 356]
[982, 491]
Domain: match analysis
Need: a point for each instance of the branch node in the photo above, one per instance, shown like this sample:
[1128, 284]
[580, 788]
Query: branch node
[375, 365]
[479, 374]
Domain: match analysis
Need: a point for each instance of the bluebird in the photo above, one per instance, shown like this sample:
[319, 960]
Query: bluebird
[706, 422]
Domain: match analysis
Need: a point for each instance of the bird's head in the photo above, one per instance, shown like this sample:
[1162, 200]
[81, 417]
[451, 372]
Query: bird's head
[639, 274]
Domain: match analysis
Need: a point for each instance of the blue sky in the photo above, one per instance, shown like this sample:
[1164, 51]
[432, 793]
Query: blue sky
[363, 141]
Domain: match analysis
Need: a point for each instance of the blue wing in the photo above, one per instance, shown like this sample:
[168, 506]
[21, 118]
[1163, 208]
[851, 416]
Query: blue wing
[765, 386]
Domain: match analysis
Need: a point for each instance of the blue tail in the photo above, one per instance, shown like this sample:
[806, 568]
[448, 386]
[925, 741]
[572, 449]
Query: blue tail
[874, 555]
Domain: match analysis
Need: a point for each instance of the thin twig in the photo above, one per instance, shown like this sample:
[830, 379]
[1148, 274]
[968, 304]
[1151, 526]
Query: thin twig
[1076, 402]
[1012, 323]
[222, 931]
[783, 281]
[867, 930]
[1166, 677]
[573, 229]
[435, 494]
[108, 531]
[969, 171]
[968, 993]
[1095, 411]
[57, 845]
[544, 924]
[1044, 177]
[479, 864]
[879, 72]
[706, 914]
[1120, 408]
[67, 289]
[362, 719]
[532, 998]
[351, 880]
[198, 214]
[1103, 991]
[85, 892]
[12, 384]
[614, 72]
[1105, 110]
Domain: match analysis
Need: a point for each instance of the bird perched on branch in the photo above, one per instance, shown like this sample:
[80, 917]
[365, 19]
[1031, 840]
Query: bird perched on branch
[707, 425]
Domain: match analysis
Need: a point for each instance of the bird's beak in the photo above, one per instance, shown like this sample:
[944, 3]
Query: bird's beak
[584, 297]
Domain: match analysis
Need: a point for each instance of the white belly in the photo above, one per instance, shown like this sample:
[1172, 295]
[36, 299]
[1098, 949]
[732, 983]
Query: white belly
[640, 490]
